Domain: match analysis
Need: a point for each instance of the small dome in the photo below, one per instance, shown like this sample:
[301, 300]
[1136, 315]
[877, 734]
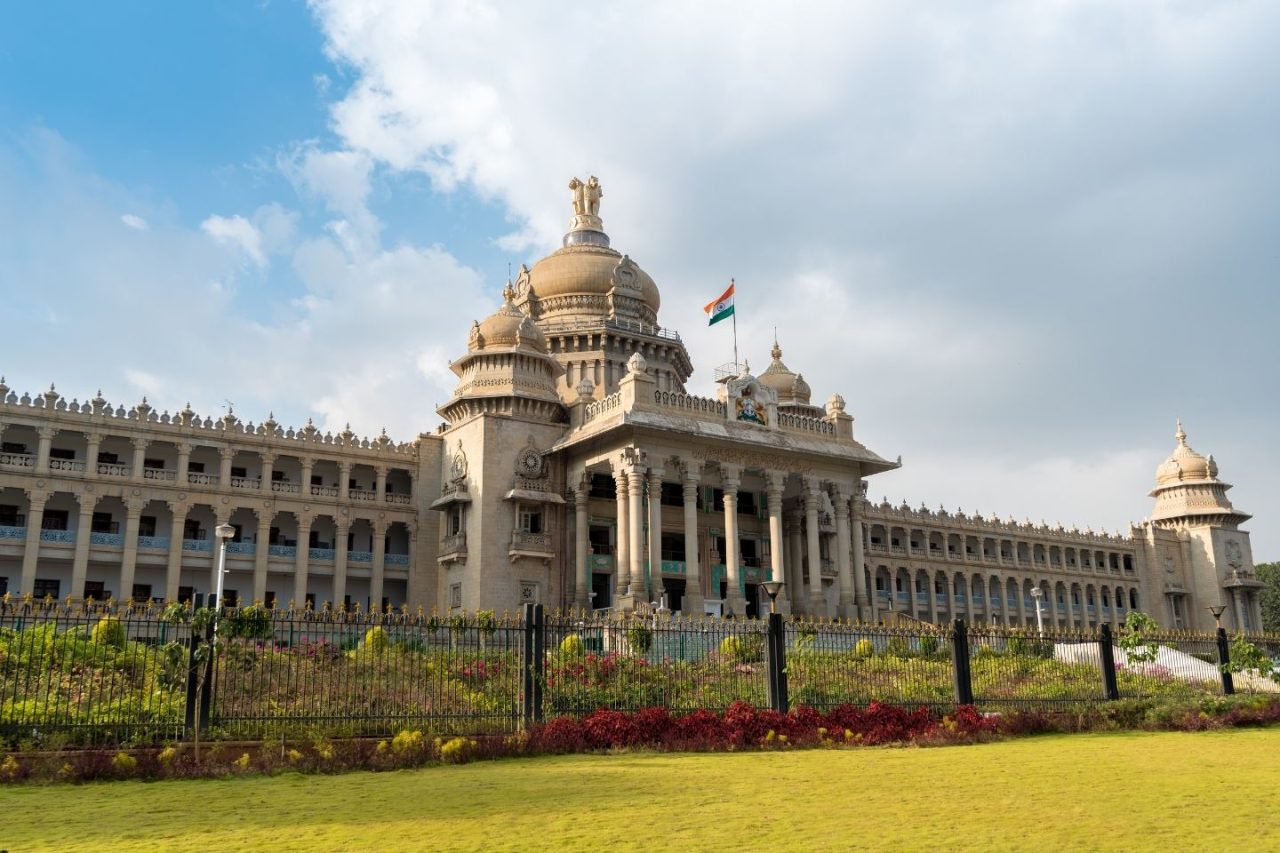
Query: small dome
[507, 327]
[1185, 464]
[790, 387]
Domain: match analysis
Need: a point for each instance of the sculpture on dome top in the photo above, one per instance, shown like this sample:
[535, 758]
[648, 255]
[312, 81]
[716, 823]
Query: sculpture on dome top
[586, 196]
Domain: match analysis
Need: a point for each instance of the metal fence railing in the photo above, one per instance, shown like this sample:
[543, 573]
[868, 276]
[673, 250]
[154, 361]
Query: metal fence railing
[86, 673]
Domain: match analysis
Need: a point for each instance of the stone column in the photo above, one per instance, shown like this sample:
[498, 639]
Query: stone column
[1255, 607]
[173, 571]
[129, 560]
[622, 533]
[46, 434]
[863, 605]
[380, 483]
[379, 563]
[308, 465]
[655, 534]
[31, 548]
[693, 599]
[344, 481]
[184, 467]
[1053, 606]
[261, 553]
[342, 527]
[582, 546]
[844, 555]
[794, 565]
[775, 482]
[300, 554]
[817, 604]
[226, 455]
[268, 463]
[93, 441]
[139, 459]
[735, 602]
[931, 593]
[84, 535]
[635, 522]
[1237, 607]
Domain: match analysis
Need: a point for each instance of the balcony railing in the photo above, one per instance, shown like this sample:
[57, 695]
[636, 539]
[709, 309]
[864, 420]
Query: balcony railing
[65, 465]
[17, 460]
[283, 487]
[455, 543]
[199, 479]
[65, 537]
[324, 491]
[246, 483]
[360, 557]
[531, 541]
[326, 554]
[154, 543]
[113, 540]
[282, 550]
[113, 469]
[247, 548]
[160, 474]
[396, 498]
[198, 545]
[361, 495]
[396, 559]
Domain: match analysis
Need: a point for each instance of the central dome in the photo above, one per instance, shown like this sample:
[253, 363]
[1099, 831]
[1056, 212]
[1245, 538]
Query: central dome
[1185, 465]
[587, 270]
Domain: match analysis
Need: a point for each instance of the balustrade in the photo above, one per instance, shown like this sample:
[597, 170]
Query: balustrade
[396, 559]
[241, 548]
[398, 499]
[197, 545]
[454, 543]
[362, 495]
[155, 543]
[360, 557]
[324, 554]
[65, 465]
[17, 460]
[531, 541]
[113, 469]
[247, 483]
[324, 491]
[199, 479]
[159, 474]
[114, 540]
[9, 532]
[65, 537]
[282, 487]
[282, 550]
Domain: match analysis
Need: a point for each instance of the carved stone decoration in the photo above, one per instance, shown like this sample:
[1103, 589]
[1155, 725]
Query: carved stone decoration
[1235, 557]
[530, 463]
[586, 203]
[751, 402]
[637, 363]
[458, 467]
[624, 274]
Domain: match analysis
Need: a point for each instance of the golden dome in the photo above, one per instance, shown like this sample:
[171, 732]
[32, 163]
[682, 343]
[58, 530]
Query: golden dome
[507, 327]
[1185, 465]
[790, 387]
[589, 270]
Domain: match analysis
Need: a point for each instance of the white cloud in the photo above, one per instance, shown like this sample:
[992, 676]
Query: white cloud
[137, 223]
[237, 232]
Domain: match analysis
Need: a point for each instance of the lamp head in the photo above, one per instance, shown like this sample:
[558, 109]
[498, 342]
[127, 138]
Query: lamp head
[772, 588]
[1217, 611]
[224, 532]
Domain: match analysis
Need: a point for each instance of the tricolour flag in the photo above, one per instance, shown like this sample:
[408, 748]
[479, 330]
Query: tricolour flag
[721, 308]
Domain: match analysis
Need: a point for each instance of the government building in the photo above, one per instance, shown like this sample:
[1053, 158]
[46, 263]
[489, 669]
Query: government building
[574, 469]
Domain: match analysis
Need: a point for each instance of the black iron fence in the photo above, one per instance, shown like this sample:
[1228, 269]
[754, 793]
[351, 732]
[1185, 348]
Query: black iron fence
[90, 673]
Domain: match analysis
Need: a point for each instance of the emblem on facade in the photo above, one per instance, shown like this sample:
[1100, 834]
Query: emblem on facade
[749, 409]
[1235, 557]
[458, 468]
[528, 592]
[530, 462]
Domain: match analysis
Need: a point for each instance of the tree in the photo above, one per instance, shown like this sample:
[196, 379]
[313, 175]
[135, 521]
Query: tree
[1269, 573]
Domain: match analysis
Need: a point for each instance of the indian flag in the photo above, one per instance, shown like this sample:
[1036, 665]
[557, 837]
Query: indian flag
[721, 308]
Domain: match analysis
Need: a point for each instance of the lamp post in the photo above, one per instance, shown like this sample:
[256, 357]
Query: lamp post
[1217, 613]
[771, 589]
[1036, 594]
[224, 533]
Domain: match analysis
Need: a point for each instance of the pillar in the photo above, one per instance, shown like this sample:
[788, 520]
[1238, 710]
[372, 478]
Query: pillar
[863, 605]
[173, 571]
[622, 533]
[817, 605]
[844, 554]
[93, 441]
[184, 468]
[80, 559]
[693, 598]
[344, 481]
[268, 463]
[135, 472]
[226, 455]
[635, 521]
[129, 560]
[300, 555]
[341, 528]
[379, 483]
[46, 434]
[31, 549]
[582, 546]
[379, 564]
[735, 603]
[794, 565]
[261, 553]
[1237, 605]
[655, 535]
[775, 482]
[308, 465]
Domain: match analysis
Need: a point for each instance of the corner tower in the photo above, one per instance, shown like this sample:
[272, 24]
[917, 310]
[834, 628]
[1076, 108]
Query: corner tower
[596, 307]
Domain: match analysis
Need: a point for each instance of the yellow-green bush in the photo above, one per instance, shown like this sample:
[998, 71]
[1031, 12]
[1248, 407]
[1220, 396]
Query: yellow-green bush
[863, 649]
[406, 741]
[375, 639]
[109, 632]
[571, 645]
[457, 750]
[124, 762]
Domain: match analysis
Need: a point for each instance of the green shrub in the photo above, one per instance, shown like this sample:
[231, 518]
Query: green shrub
[571, 646]
[898, 647]
[747, 648]
[928, 645]
[375, 640]
[109, 632]
[640, 638]
[252, 623]
[863, 649]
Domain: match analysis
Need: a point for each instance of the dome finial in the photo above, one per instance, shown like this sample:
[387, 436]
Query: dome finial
[776, 352]
[1180, 435]
[586, 213]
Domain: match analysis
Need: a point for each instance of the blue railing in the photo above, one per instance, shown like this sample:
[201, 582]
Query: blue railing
[241, 548]
[320, 554]
[203, 545]
[360, 557]
[7, 532]
[400, 559]
[64, 536]
[282, 550]
[157, 543]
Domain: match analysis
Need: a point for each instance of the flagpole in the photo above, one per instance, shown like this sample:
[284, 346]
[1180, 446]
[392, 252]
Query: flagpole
[734, 285]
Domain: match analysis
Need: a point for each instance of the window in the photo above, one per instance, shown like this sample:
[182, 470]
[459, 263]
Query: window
[602, 486]
[230, 598]
[61, 453]
[317, 480]
[747, 552]
[13, 447]
[4, 585]
[672, 494]
[46, 588]
[271, 598]
[106, 458]
[599, 536]
[102, 523]
[529, 520]
[673, 547]
[142, 592]
[310, 599]
[192, 530]
[240, 472]
[147, 525]
[153, 463]
[54, 519]
[195, 467]
[10, 517]
[185, 594]
[747, 503]
[96, 590]
[455, 521]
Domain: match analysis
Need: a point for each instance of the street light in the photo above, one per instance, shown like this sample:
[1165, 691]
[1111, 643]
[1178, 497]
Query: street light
[771, 589]
[1036, 594]
[224, 533]
[1217, 613]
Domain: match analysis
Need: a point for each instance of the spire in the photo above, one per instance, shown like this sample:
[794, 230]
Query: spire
[1180, 435]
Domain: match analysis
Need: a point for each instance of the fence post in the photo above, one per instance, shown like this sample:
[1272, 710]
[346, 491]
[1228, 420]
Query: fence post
[960, 661]
[526, 668]
[776, 645]
[193, 678]
[1108, 657]
[1224, 661]
[206, 689]
[539, 673]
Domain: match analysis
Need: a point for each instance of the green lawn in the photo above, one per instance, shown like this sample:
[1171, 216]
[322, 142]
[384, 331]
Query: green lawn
[1216, 790]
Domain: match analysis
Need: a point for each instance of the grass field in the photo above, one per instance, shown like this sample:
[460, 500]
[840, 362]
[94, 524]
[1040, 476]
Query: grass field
[1167, 791]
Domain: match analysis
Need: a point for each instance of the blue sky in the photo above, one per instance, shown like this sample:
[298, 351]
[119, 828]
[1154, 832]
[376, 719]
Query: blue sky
[1019, 238]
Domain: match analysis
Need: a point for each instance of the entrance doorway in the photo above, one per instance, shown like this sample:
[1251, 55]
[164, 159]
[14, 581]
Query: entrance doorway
[602, 586]
[674, 588]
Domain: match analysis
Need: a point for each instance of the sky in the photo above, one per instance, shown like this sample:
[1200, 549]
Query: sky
[1020, 238]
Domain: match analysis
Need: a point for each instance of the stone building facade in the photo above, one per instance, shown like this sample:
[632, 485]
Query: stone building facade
[574, 469]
